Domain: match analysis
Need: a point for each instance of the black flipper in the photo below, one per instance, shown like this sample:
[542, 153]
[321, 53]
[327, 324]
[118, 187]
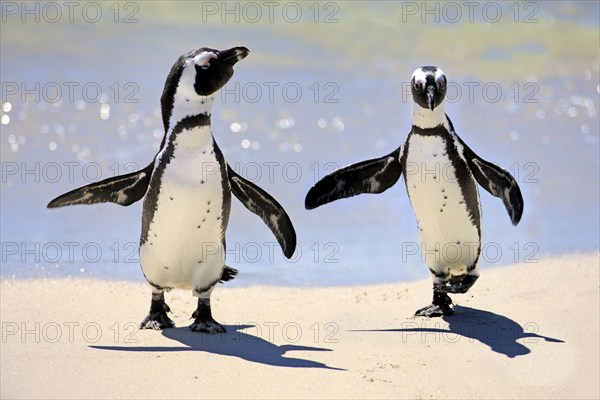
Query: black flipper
[371, 176]
[267, 208]
[122, 189]
[497, 181]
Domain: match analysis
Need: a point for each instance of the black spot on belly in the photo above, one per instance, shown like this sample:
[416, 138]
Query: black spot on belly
[203, 219]
[202, 182]
[458, 242]
[441, 210]
[218, 218]
[198, 226]
[165, 267]
[445, 197]
[443, 190]
[208, 211]
[208, 202]
[171, 197]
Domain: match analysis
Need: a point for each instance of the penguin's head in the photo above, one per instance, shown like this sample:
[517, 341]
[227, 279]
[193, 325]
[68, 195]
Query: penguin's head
[428, 85]
[195, 77]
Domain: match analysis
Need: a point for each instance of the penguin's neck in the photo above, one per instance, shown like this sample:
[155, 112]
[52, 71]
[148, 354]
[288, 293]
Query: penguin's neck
[189, 125]
[425, 118]
[191, 106]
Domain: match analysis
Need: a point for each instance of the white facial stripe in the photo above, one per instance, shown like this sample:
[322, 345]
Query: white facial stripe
[419, 76]
[203, 59]
[186, 102]
[438, 74]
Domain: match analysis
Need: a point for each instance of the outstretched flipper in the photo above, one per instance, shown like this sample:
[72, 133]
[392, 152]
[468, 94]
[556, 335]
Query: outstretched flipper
[122, 189]
[497, 181]
[267, 208]
[500, 184]
[371, 176]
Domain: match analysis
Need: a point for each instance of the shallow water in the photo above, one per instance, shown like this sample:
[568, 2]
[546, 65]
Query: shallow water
[311, 96]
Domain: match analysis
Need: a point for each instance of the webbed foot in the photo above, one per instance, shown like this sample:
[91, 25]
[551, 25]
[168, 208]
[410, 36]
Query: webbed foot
[441, 305]
[203, 320]
[434, 310]
[157, 321]
[157, 317]
[207, 326]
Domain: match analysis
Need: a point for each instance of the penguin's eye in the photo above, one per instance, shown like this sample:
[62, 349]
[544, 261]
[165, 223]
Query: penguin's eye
[203, 60]
[417, 86]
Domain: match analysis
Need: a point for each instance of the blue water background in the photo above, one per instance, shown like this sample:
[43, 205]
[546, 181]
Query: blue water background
[352, 63]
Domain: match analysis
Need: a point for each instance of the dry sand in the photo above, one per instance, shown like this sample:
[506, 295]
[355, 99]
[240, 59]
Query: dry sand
[524, 331]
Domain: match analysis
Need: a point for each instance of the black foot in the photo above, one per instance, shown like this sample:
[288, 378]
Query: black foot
[207, 326]
[157, 322]
[157, 317]
[434, 310]
[441, 305]
[203, 320]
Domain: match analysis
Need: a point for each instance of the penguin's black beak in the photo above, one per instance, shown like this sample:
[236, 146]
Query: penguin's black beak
[233, 55]
[431, 97]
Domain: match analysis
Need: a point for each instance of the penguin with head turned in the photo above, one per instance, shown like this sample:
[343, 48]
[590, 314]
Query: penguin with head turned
[187, 189]
[441, 174]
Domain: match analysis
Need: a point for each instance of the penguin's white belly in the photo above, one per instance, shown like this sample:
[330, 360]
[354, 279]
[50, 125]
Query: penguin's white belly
[449, 240]
[185, 246]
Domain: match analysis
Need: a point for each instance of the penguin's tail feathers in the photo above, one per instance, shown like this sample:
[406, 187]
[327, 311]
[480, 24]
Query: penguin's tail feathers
[228, 274]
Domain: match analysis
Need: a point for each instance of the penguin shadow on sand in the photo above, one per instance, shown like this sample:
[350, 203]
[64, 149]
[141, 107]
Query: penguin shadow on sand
[234, 343]
[500, 333]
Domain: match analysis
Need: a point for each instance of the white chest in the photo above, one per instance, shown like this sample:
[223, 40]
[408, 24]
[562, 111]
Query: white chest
[447, 234]
[185, 242]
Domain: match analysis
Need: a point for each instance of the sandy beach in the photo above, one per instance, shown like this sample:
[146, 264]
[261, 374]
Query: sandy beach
[523, 331]
[325, 85]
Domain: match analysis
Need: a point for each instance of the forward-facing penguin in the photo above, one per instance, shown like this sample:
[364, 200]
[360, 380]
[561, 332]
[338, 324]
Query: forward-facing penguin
[440, 172]
[188, 188]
